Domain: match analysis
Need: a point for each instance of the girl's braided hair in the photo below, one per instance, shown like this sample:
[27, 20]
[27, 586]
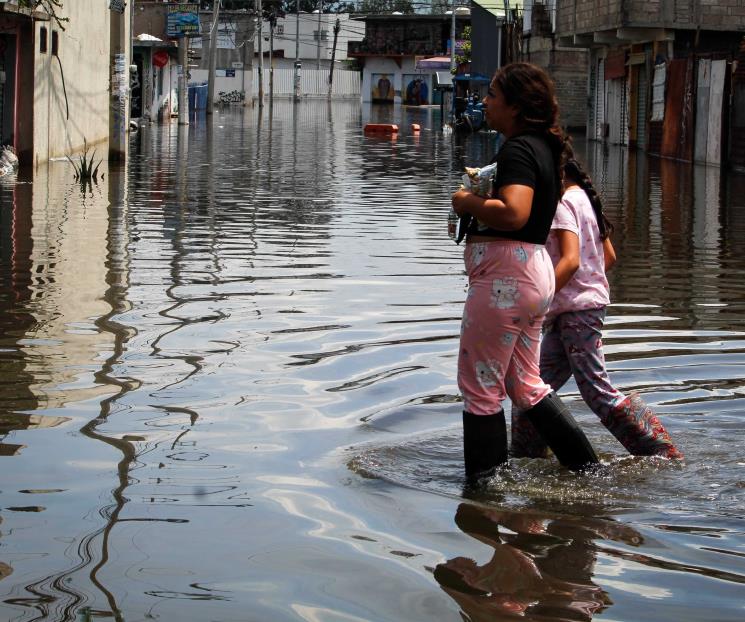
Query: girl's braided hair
[573, 172]
[530, 89]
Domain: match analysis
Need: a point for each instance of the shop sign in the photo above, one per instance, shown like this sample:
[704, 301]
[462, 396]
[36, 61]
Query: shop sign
[182, 19]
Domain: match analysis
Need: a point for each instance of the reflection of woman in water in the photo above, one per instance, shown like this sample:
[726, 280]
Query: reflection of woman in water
[543, 570]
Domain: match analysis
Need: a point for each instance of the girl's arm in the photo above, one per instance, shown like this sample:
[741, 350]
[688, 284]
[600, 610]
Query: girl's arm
[569, 260]
[609, 254]
[509, 212]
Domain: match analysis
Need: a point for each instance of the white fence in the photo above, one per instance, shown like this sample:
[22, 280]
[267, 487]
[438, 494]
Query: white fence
[313, 83]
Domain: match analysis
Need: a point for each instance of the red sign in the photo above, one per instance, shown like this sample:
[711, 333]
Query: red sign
[160, 58]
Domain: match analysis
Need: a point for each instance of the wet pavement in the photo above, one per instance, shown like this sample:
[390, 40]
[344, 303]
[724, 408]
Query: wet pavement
[228, 392]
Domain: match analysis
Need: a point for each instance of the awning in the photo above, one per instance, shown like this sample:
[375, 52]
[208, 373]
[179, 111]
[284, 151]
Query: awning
[472, 77]
[434, 62]
[443, 80]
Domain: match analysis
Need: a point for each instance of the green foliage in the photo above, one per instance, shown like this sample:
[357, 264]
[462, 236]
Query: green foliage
[465, 56]
[378, 7]
[86, 168]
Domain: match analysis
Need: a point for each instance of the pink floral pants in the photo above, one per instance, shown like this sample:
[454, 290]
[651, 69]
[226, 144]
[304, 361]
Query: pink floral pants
[510, 287]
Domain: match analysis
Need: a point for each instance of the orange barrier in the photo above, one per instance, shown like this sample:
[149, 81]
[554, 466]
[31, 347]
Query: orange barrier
[415, 128]
[381, 128]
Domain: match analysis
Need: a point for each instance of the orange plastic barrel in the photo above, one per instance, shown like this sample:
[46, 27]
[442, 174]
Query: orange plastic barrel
[381, 128]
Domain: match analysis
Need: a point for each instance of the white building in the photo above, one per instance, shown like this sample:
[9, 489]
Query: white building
[312, 36]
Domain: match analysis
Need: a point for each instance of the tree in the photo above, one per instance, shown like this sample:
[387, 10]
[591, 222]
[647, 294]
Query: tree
[50, 7]
[381, 7]
[282, 7]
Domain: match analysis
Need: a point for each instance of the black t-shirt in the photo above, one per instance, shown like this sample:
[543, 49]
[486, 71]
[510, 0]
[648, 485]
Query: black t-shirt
[527, 160]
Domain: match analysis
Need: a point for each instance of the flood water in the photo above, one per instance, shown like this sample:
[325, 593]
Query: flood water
[228, 390]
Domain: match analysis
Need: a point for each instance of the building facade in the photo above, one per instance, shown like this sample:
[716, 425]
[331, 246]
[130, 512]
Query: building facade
[392, 52]
[662, 74]
[59, 78]
[567, 65]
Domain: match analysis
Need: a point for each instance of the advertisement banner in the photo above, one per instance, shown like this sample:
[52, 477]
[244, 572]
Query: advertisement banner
[183, 19]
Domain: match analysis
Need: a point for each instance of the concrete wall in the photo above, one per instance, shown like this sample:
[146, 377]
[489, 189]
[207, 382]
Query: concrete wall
[71, 96]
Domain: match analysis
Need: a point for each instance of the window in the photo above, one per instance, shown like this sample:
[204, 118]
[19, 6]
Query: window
[324, 35]
[55, 43]
[43, 40]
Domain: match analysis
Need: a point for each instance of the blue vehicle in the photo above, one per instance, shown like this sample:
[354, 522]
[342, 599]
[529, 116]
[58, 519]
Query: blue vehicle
[468, 110]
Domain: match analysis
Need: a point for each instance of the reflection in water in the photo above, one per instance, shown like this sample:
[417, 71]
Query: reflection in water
[540, 568]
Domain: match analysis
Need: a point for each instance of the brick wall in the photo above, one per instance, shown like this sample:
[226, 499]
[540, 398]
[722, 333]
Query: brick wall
[586, 15]
[571, 91]
[583, 16]
[568, 68]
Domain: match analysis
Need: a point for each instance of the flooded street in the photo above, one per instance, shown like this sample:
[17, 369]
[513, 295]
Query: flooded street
[228, 389]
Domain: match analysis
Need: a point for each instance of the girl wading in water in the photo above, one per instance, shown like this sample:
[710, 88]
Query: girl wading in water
[581, 251]
[511, 277]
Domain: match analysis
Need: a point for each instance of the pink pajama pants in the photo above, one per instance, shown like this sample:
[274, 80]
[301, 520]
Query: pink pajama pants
[510, 287]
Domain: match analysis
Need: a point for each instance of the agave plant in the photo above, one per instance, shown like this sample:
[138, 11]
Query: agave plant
[86, 168]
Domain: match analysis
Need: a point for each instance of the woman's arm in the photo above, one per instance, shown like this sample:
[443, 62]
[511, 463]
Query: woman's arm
[609, 254]
[569, 260]
[509, 212]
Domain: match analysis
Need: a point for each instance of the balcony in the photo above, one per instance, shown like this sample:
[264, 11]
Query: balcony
[359, 49]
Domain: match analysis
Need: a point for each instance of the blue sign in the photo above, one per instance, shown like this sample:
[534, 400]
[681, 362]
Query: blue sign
[183, 20]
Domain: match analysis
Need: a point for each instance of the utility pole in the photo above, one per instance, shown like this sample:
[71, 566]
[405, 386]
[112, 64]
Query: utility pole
[272, 23]
[318, 46]
[296, 78]
[213, 58]
[260, 19]
[337, 28]
[183, 96]
[452, 40]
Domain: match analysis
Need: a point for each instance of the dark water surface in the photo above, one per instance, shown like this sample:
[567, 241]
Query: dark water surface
[228, 390]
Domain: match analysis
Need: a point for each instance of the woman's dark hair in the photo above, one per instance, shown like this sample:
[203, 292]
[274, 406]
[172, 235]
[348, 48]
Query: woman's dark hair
[532, 92]
[574, 173]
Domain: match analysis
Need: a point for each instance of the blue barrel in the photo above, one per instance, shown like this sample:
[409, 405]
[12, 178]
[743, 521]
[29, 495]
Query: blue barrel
[197, 96]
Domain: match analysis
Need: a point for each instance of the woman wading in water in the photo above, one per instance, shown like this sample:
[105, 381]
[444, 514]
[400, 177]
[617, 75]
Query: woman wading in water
[511, 277]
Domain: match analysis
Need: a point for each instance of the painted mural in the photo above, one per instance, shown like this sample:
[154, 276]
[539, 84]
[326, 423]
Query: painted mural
[416, 90]
[382, 88]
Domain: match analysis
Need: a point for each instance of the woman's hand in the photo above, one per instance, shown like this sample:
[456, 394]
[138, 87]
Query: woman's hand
[461, 200]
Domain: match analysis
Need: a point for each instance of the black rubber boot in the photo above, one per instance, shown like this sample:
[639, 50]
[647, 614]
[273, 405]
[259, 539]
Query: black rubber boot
[560, 431]
[484, 443]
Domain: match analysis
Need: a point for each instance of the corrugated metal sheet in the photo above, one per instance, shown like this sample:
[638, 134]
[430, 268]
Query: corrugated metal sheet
[703, 85]
[591, 86]
[714, 139]
[600, 124]
[737, 118]
[618, 113]
[677, 135]
[642, 104]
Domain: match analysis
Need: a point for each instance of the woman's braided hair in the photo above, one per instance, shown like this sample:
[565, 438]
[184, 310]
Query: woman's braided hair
[530, 89]
[574, 173]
